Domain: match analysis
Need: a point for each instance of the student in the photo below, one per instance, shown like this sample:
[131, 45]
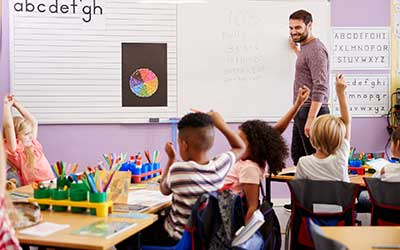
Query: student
[330, 137]
[391, 172]
[24, 152]
[8, 239]
[264, 146]
[196, 174]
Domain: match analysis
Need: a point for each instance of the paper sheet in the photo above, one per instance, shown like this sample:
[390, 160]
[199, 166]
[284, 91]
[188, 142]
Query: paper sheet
[44, 229]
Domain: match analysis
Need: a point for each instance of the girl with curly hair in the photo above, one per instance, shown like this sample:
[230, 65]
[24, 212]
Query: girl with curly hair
[266, 150]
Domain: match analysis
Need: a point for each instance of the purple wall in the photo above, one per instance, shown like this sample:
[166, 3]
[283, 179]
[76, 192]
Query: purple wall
[85, 143]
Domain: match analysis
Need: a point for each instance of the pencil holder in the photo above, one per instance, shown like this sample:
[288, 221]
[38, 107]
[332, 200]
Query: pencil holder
[97, 198]
[79, 186]
[61, 183]
[42, 194]
[59, 195]
[78, 195]
[149, 168]
[156, 165]
[144, 170]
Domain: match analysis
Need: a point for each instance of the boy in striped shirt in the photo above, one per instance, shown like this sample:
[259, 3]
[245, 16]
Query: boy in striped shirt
[196, 174]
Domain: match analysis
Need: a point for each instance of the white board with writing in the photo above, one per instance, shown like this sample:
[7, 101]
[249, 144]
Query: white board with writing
[360, 48]
[234, 56]
[367, 94]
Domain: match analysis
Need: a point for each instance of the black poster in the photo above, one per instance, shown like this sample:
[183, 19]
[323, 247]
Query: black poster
[144, 75]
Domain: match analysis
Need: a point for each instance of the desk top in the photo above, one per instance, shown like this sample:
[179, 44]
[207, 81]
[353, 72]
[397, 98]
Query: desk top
[363, 238]
[356, 179]
[64, 238]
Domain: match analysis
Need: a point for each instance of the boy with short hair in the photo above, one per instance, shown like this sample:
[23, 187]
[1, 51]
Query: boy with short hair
[391, 172]
[196, 174]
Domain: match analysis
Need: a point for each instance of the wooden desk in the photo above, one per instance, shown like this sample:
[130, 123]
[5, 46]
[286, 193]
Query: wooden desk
[65, 239]
[363, 238]
[356, 179]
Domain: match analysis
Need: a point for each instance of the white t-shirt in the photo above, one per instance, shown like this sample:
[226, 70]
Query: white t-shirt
[332, 168]
[392, 173]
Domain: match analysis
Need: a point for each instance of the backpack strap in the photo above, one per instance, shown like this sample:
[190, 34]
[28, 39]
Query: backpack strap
[266, 194]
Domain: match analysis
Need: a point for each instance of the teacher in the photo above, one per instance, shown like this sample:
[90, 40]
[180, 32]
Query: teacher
[312, 70]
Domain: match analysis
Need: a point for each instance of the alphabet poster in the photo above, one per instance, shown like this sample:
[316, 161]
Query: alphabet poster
[367, 95]
[360, 48]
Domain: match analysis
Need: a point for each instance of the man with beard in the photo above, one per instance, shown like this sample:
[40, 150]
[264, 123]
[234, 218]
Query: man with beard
[312, 70]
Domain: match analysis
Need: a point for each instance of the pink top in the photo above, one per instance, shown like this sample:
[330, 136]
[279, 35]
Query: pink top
[42, 170]
[243, 172]
[8, 239]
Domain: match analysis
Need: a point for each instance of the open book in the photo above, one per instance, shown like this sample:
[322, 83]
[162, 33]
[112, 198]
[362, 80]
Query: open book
[104, 229]
[245, 232]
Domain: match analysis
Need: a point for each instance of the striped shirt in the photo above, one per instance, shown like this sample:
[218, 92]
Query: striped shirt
[188, 181]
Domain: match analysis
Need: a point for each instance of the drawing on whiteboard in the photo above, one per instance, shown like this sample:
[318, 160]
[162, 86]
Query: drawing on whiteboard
[144, 75]
[143, 82]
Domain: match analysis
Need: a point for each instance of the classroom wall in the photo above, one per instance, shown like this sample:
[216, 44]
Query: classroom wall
[85, 143]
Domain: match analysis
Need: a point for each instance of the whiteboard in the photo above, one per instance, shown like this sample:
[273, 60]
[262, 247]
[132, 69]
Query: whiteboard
[230, 56]
[234, 57]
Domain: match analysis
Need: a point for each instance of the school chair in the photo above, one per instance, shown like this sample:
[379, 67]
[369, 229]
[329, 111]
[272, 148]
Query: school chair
[321, 242]
[385, 202]
[330, 203]
[185, 243]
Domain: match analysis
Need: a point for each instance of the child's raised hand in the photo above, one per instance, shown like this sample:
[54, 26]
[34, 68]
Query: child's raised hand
[169, 149]
[341, 84]
[302, 95]
[8, 101]
[216, 118]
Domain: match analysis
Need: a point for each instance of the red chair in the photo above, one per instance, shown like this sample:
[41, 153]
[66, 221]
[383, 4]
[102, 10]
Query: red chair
[385, 202]
[307, 195]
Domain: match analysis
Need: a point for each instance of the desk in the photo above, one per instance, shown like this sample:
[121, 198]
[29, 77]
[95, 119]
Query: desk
[356, 179]
[363, 238]
[65, 239]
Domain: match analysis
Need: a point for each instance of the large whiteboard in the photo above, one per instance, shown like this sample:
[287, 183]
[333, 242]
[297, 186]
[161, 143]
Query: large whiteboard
[230, 56]
[234, 55]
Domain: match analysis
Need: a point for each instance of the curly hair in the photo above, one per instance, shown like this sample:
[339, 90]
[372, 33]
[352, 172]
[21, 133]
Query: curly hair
[266, 145]
[195, 120]
[198, 130]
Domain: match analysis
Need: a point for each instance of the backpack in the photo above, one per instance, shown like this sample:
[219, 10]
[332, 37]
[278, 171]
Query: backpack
[216, 217]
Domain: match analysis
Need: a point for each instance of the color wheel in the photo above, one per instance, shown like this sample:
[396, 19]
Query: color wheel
[143, 82]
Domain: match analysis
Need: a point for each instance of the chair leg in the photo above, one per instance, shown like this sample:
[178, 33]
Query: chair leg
[287, 233]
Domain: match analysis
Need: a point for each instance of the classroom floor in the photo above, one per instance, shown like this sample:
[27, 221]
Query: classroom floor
[283, 216]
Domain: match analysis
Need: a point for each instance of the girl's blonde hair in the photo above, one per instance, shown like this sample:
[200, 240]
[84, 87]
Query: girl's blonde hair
[327, 133]
[20, 126]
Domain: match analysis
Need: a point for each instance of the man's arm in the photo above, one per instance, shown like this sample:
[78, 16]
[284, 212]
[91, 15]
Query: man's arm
[320, 85]
[238, 146]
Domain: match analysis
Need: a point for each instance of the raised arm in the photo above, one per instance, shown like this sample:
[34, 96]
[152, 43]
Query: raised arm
[238, 146]
[27, 116]
[283, 123]
[169, 149]
[8, 124]
[344, 110]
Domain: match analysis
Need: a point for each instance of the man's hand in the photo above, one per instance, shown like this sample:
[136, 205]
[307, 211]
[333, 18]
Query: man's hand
[293, 46]
[307, 126]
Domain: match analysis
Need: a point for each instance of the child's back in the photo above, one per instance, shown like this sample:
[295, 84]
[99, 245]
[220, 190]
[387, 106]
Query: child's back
[196, 174]
[330, 137]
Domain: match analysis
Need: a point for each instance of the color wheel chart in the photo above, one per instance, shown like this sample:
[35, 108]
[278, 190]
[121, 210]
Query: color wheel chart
[143, 82]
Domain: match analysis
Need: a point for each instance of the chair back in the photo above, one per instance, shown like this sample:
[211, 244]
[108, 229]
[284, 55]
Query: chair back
[330, 203]
[385, 202]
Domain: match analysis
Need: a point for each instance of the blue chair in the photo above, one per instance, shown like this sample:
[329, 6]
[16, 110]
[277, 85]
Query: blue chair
[184, 244]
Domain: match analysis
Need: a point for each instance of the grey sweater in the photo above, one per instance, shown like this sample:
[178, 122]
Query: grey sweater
[312, 70]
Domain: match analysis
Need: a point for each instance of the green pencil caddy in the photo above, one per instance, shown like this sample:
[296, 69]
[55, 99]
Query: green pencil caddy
[61, 183]
[42, 194]
[78, 186]
[97, 198]
[78, 195]
[59, 195]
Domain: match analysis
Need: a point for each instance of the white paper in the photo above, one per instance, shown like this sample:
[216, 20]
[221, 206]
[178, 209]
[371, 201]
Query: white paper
[147, 197]
[244, 233]
[326, 208]
[378, 164]
[44, 229]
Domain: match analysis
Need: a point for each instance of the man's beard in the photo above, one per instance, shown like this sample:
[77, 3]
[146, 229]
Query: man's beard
[302, 37]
